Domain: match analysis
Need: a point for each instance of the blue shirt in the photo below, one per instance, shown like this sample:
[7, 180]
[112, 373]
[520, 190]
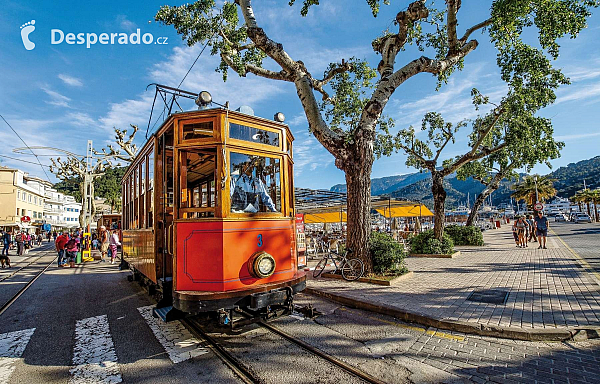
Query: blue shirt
[541, 223]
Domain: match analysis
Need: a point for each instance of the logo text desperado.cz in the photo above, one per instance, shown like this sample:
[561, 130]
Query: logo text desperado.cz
[89, 39]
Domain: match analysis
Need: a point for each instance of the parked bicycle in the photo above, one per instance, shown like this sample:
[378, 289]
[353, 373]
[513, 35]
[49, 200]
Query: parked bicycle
[351, 269]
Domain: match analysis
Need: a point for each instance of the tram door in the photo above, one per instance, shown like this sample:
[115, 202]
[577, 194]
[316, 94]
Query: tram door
[164, 216]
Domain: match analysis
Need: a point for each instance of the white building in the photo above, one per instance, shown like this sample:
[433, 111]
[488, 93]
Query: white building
[61, 211]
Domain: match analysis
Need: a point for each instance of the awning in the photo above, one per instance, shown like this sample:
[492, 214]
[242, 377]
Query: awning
[24, 226]
[410, 211]
[325, 217]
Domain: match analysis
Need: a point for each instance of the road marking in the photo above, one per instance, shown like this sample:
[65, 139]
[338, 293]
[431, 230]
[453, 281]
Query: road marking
[581, 260]
[177, 341]
[94, 356]
[413, 328]
[12, 346]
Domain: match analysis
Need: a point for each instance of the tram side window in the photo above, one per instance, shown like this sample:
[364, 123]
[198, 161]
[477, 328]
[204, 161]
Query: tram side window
[255, 183]
[150, 194]
[142, 204]
[254, 135]
[198, 168]
[201, 130]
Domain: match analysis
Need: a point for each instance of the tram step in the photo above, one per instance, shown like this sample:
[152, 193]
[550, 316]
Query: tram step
[167, 313]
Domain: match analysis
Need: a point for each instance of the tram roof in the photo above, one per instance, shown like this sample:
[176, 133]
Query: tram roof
[322, 201]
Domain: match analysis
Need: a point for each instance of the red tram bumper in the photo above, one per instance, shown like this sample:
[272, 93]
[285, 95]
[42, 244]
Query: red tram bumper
[254, 298]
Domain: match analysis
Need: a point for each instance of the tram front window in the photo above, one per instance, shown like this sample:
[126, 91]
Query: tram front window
[255, 183]
[198, 183]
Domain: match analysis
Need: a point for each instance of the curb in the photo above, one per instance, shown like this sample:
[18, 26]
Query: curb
[512, 333]
[386, 283]
[435, 256]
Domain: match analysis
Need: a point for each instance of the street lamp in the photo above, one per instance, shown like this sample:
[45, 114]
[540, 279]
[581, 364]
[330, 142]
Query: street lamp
[537, 200]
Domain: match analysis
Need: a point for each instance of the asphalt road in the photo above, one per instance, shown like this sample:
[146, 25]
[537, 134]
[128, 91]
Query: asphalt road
[76, 325]
[583, 238]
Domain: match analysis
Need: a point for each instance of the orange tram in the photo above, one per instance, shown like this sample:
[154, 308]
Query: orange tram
[208, 216]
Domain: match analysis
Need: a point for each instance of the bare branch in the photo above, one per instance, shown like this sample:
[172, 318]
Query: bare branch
[452, 7]
[389, 46]
[474, 28]
[258, 71]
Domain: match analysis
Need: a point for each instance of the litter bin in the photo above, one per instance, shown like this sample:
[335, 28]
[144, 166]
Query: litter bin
[78, 258]
[497, 223]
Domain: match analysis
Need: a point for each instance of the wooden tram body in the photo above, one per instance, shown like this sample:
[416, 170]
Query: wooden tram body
[208, 213]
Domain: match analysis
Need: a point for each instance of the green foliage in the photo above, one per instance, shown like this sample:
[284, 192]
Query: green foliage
[70, 187]
[526, 189]
[107, 186]
[462, 235]
[387, 254]
[426, 243]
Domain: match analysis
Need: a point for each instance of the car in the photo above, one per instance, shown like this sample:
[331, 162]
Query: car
[560, 217]
[581, 218]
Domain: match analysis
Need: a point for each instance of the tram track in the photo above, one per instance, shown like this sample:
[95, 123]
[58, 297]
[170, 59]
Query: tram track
[248, 376]
[20, 268]
[28, 284]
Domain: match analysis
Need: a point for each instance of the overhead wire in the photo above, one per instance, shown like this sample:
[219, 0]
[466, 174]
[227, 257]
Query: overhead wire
[33, 153]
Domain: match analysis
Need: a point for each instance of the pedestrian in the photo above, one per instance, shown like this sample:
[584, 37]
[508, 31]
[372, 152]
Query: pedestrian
[39, 239]
[6, 242]
[20, 238]
[521, 228]
[541, 229]
[515, 233]
[4, 259]
[532, 236]
[54, 235]
[48, 235]
[104, 242]
[95, 243]
[114, 242]
[71, 251]
[60, 243]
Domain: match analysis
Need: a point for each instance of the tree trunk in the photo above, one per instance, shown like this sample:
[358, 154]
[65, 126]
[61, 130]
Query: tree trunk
[588, 208]
[439, 199]
[596, 210]
[493, 185]
[358, 182]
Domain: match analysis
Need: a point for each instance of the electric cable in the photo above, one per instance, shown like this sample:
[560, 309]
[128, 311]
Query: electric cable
[20, 138]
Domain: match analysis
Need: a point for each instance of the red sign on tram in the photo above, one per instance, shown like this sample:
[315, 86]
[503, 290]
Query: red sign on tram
[300, 240]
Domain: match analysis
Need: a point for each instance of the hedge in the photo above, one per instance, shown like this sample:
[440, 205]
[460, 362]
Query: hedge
[463, 235]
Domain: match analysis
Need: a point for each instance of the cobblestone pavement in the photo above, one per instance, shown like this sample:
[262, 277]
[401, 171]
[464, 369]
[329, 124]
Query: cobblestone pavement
[546, 288]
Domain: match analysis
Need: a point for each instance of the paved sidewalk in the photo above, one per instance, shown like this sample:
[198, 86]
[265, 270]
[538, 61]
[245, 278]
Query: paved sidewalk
[548, 289]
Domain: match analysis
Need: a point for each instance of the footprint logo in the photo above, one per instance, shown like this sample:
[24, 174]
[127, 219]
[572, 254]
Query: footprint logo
[26, 29]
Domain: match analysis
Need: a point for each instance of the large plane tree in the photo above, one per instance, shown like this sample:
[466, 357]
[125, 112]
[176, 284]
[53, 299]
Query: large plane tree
[344, 106]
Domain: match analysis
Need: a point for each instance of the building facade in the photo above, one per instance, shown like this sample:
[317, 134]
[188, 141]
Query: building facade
[21, 196]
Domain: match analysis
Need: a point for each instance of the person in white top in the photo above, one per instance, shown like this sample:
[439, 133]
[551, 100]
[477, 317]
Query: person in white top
[114, 242]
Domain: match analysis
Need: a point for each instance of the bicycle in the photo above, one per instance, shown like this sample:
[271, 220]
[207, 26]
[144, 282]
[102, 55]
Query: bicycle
[352, 269]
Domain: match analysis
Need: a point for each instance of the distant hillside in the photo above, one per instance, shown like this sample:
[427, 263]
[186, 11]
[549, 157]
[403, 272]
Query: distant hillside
[389, 184]
[570, 178]
[457, 191]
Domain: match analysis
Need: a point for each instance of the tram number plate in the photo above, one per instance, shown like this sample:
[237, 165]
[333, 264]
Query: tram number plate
[260, 240]
[261, 300]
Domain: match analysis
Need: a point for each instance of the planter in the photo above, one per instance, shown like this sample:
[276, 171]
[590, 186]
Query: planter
[446, 256]
[374, 280]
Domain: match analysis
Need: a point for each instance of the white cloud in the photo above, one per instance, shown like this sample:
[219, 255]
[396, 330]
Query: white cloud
[309, 154]
[70, 80]
[81, 119]
[56, 98]
[125, 23]
[580, 93]
[297, 120]
[576, 136]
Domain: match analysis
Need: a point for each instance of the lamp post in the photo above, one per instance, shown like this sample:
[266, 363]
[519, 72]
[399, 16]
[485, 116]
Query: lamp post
[537, 200]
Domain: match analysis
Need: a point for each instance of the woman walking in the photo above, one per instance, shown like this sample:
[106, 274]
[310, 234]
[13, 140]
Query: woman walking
[521, 229]
[114, 242]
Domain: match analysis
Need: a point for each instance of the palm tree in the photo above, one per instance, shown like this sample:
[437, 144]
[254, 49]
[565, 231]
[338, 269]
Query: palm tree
[584, 196]
[526, 189]
[596, 200]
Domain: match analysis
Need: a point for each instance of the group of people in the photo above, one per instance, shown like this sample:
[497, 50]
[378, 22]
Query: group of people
[531, 228]
[20, 240]
[68, 244]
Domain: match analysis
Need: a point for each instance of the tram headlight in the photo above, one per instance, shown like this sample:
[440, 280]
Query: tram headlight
[204, 99]
[261, 265]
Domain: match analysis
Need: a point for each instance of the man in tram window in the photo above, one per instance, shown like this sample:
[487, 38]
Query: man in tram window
[249, 191]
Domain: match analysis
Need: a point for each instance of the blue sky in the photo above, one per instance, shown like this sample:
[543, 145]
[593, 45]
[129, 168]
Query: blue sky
[62, 95]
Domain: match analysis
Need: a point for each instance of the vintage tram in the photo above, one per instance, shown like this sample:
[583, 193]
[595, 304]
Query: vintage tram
[208, 215]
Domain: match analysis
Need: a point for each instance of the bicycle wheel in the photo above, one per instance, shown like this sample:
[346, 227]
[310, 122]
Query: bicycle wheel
[320, 267]
[353, 269]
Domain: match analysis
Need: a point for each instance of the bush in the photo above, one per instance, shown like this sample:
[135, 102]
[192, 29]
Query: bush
[426, 242]
[388, 255]
[462, 235]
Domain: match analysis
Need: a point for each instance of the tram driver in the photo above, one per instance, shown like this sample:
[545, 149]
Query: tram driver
[248, 191]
